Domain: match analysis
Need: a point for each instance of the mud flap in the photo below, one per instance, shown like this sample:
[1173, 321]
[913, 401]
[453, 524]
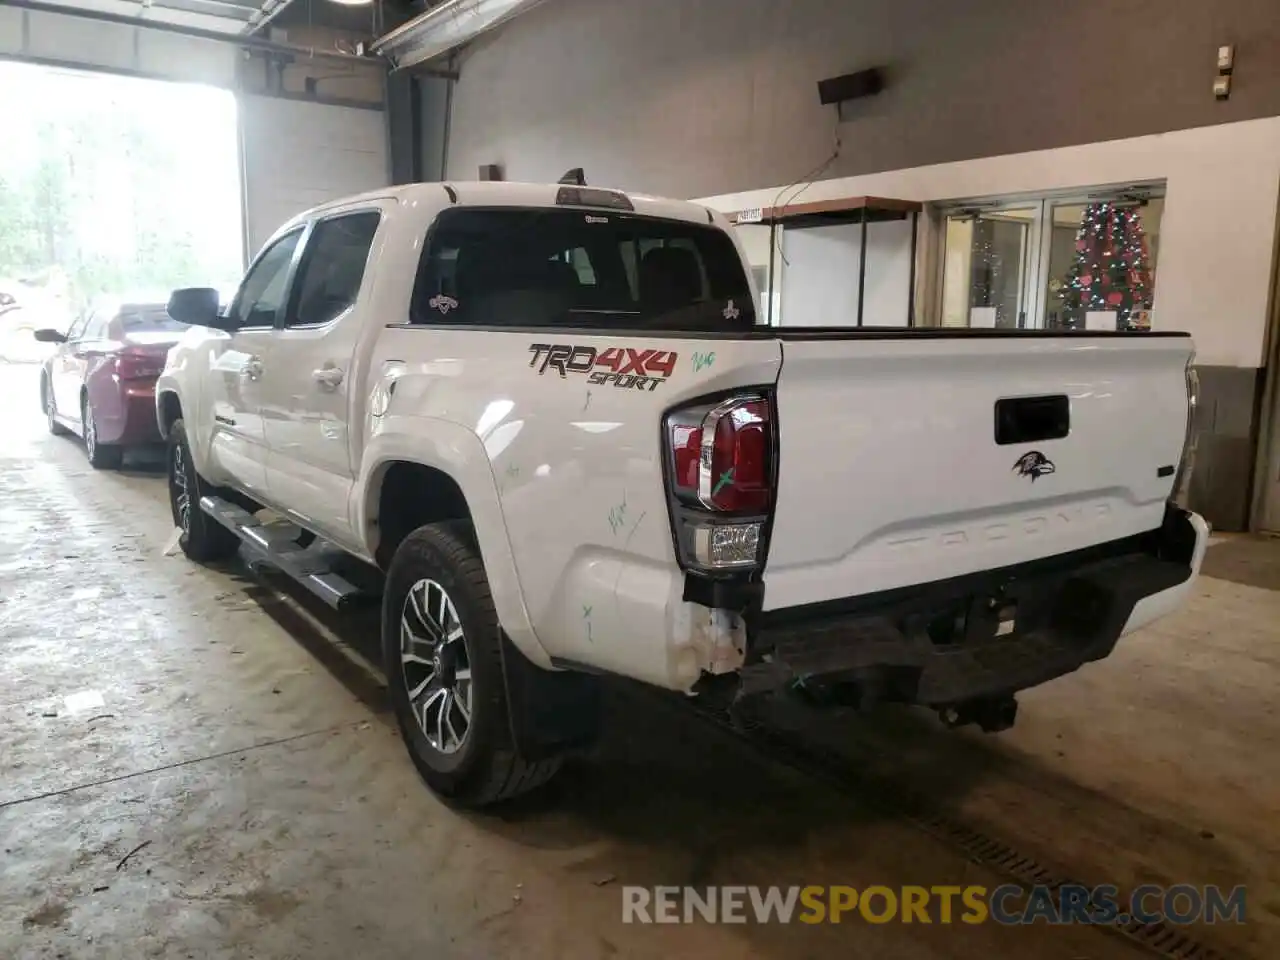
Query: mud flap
[550, 712]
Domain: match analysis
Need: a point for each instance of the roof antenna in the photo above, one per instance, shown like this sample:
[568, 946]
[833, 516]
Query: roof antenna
[574, 178]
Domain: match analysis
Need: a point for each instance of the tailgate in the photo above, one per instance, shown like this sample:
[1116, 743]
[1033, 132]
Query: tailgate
[890, 473]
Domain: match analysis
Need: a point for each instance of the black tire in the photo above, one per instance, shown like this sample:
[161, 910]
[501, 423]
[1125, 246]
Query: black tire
[485, 769]
[203, 539]
[102, 456]
[51, 408]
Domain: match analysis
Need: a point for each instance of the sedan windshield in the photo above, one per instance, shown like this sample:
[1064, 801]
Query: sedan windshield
[152, 319]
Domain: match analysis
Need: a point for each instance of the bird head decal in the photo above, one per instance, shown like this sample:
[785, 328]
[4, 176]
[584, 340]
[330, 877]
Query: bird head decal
[1034, 465]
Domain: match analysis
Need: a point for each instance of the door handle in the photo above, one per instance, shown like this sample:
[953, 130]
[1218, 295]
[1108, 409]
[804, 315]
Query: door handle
[252, 369]
[329, 378]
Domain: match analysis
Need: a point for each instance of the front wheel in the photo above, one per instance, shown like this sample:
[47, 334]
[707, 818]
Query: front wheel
[441, 645]
[50, 408]
[203, 539]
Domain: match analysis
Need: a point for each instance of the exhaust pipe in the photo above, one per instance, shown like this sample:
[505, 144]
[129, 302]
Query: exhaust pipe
[991, 714]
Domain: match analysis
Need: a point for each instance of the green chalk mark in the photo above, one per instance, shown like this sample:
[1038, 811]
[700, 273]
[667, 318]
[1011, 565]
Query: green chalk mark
[725, 478]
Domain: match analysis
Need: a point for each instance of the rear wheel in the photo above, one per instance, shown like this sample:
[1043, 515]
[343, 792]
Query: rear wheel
[50, 408]
[102, 456]
[203, 539]
[441, 644]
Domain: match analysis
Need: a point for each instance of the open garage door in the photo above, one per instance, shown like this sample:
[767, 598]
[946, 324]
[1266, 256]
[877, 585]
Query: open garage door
[299, 154]
[111, 188]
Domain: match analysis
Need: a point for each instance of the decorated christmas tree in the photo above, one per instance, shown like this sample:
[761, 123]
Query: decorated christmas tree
[1112, 269]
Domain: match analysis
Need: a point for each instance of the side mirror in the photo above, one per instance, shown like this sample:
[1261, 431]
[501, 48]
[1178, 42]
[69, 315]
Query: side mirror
[197, 306]
[49, 335]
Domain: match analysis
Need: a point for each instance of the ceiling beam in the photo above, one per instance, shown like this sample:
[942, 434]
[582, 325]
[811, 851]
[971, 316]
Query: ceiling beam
[196, 33]
[446, 26]
[269, 11]
[222, 8]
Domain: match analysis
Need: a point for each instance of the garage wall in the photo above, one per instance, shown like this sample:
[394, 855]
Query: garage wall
[693, 97]
[342, 82]
[298, 155]
[74, 41]
[1217, 232]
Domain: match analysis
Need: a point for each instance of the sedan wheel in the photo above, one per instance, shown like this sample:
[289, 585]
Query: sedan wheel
[436, 665]
[51, 409]
[90, 433]
[101, 456]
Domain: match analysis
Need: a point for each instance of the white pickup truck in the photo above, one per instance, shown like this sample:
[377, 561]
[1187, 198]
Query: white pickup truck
[545, 423]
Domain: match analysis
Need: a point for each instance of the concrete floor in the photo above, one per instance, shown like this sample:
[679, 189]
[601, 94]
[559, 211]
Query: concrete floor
[238, 740]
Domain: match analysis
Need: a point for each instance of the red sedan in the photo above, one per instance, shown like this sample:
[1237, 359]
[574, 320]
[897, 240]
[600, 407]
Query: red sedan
[100, 383]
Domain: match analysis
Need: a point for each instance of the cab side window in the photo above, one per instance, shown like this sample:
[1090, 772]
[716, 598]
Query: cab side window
[262, 294]
[333, 267]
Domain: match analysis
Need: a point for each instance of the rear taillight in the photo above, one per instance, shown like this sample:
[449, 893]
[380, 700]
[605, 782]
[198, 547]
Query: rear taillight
[720, 465]
[138, 365]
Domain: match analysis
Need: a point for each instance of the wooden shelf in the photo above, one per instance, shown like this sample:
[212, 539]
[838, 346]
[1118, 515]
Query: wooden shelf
[828, 212]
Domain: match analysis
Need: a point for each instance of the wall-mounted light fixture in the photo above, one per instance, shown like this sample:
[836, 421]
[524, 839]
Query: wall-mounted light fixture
[1226, 64]
[851, 86]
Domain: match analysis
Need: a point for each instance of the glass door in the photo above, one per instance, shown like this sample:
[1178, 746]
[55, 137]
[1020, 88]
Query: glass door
[1076, 262]
[1101, 255]
[987, 265]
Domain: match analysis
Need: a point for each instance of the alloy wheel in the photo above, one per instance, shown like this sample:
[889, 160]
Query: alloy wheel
[436, 664]
[90, 431]
[178, 488]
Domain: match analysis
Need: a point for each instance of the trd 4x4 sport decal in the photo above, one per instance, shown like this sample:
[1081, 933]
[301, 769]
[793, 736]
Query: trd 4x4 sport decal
[622, 367]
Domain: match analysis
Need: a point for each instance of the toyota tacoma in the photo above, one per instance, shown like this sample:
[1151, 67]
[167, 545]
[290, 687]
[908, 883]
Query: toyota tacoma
[547, 427]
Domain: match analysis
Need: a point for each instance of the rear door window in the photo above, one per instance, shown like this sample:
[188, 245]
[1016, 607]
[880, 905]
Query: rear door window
[333, 267]
[581, 268]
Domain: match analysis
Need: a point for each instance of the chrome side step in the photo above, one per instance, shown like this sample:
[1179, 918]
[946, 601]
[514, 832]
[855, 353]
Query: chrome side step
[274, 545]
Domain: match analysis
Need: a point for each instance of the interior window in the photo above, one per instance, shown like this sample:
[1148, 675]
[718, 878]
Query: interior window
[333, 267]
[630, 263]
[262, 293]
[572, 267]
[580, 260]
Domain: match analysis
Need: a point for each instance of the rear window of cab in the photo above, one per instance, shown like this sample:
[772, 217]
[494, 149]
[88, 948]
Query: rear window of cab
[531, 267]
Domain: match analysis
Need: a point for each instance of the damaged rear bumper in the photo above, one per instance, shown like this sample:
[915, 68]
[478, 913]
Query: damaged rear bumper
[983, 636]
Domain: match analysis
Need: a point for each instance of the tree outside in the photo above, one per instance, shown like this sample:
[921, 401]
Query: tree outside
[113, 186]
